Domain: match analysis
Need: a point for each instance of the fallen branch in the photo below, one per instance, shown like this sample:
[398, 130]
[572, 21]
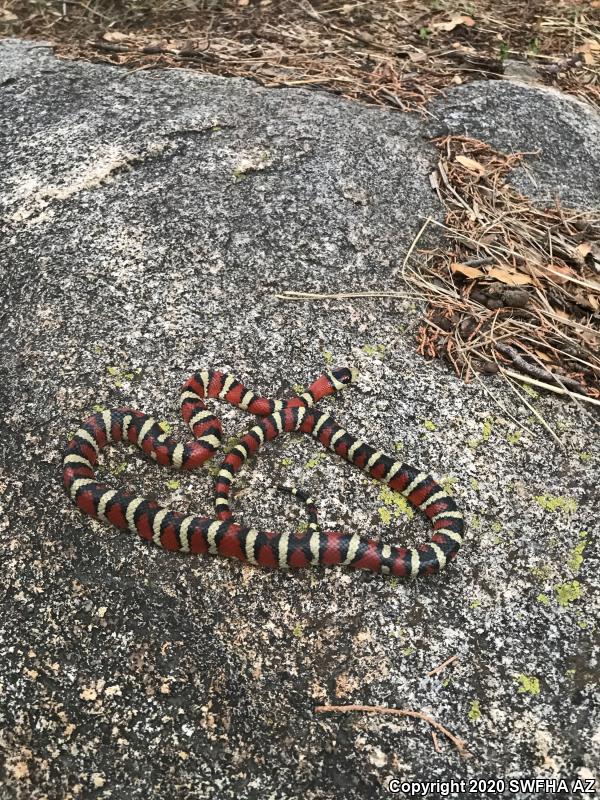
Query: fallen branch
[399, 712]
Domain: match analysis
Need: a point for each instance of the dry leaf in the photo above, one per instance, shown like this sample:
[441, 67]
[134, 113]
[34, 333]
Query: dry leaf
[590, 50]
[7, 16]
[453, 22]
[560, 275]
[463, 269]
[471, 164]
[543, 356]
[114, 36]
[592, 339]
[510, 278]
[584, 248]
[593, 301]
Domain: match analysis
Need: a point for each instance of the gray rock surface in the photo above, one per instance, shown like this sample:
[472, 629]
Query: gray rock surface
[560, 133]
[147, 221]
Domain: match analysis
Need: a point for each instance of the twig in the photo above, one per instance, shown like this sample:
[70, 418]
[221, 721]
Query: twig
[443, 665]
[548, 387]
[538, 372]
[400, 712]
[291, 295]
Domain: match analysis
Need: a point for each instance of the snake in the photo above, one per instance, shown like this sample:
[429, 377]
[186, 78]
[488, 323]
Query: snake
[220, 534]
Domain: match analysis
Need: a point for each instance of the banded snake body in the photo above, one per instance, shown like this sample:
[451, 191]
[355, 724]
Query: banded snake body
[220, 534]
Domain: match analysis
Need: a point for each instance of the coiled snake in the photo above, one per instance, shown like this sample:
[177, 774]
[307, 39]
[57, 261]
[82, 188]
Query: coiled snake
[220, 534]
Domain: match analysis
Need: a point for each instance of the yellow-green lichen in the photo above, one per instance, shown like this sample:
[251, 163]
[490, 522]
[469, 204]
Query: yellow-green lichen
[312, 463]
[385, 514]
[513, 438]
[373, 349]
[447, 484]
[298, 388]
[567, 593]
[487, 429]
[298, 631]
[172, 484]
[475, 522]
[528, 390]
[576, 557]
[99, 409]
[474, 484]
[496, 527]
[398, 446]
[408, 651]
[287, 462]
[543, 572]
[121, 375]
[327, 357]
[474, 603]
[474, 712]
[164, 425]
[119, 468]
[543, 599]
[396, 505]
[550, 502]
[429, 425]
[585, 458]
[230, 443]
[529, 684]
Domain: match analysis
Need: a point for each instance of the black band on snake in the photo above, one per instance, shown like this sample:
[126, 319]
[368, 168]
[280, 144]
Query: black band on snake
[220, 534]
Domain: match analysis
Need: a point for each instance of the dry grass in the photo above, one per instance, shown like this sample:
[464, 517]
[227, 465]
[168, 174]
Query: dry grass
[390, 53]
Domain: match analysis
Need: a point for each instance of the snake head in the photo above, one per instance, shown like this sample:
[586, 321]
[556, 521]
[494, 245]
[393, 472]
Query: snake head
[343, 376]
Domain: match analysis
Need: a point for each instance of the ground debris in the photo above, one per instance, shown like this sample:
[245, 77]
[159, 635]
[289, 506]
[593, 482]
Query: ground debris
[513, 284]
